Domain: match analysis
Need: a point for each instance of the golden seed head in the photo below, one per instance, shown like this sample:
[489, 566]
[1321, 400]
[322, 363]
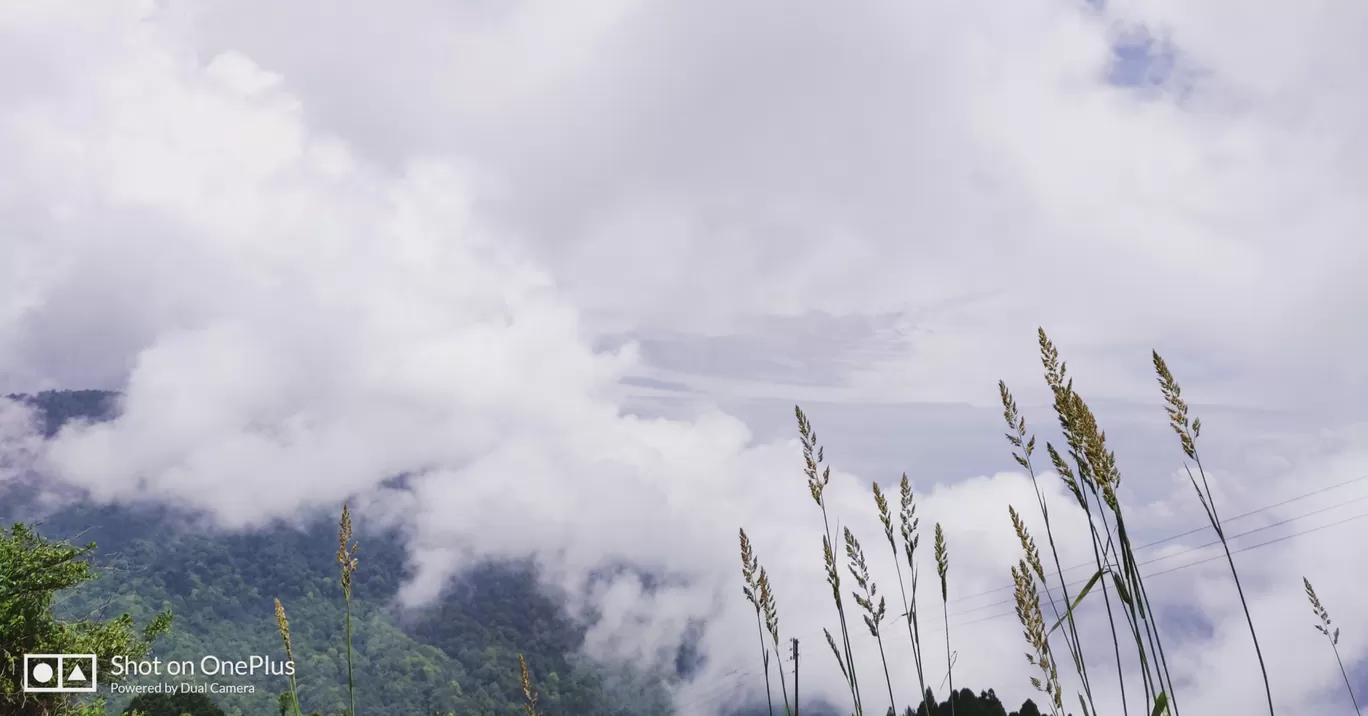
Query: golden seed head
[1033, 627]
[529, 696]
[283, 625]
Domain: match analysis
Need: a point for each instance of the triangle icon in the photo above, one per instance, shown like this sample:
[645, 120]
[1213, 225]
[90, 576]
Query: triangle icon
[76, 674]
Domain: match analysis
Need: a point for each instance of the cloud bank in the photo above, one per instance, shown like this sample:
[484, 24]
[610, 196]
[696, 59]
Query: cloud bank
[568, 266]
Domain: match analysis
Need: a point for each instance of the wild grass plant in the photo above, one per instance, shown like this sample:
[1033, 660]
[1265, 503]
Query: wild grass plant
[819, 476]
[943, 570]
[346, 559]
[907, 527]
[289, 701]
[529, 694]
[1331, 635]
[761, 597]
[1087, 467]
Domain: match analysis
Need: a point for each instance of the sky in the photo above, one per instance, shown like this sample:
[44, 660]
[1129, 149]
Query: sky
[569, 266]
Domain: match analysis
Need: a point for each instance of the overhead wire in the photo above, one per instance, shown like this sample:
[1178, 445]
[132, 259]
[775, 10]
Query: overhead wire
[734, 676]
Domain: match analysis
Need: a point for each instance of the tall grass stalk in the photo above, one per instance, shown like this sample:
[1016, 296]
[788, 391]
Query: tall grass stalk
[819, 476]
[1024, 574]
[529, 695]
[771, 612]
[1019, 440]
[283, 626]
[1094, 479]
[1077, 484]
[1188, 431]
[943, 569]
[1088, 469]
[1331, 635]
[751, 573]
[873, 612]
[907, 518]
[346, 558]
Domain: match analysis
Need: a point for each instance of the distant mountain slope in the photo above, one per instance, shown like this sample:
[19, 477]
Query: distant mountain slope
[58, 407]
[459, 655]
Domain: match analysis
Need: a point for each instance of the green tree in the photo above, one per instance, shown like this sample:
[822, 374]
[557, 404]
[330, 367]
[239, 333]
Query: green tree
[32, 571]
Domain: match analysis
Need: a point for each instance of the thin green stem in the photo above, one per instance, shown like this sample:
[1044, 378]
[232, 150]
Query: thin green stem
[1210, 502]
[892, 704]
[912, 631]
[351, 682]
[1071, 639]
[949, 665]
[1345, 674]
[845, 631]
[1098, 556]
[764, 659]
[783, 683]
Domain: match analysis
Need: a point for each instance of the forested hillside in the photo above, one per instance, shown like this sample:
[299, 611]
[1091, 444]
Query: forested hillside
[458, 656]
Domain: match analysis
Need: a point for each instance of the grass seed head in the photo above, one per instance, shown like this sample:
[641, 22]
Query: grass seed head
[346, 553]
[1033, 627]
[749, 564]
[1066, 473]
[859, 570]
[1177, 408]
[833, 574]
[813, 455]
[1017, 424]
[529, 696]
[1321, 613]
[283, 626]
[1027, 543]
[881, 502]
[767, 604]
[839, 661]
[942, 560]
[1087, 444]
[908, 520]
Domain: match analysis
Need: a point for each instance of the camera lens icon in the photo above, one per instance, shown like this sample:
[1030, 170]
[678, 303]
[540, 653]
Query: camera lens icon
[42, 672]
[60, 673]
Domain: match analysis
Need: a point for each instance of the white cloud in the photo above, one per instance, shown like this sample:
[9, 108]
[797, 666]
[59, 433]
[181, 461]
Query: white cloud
[320, 247]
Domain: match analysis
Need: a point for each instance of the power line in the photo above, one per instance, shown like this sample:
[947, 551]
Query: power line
[1189, 550]
[1212, 558]
[1190, 532]
[735, 675]
[724, 690]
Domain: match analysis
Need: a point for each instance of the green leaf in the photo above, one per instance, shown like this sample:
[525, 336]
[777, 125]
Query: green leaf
[1079, 599]
[1161, 705]
[1121, 590]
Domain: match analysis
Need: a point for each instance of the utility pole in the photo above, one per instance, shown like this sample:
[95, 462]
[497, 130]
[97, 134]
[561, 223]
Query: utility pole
[795, 676]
